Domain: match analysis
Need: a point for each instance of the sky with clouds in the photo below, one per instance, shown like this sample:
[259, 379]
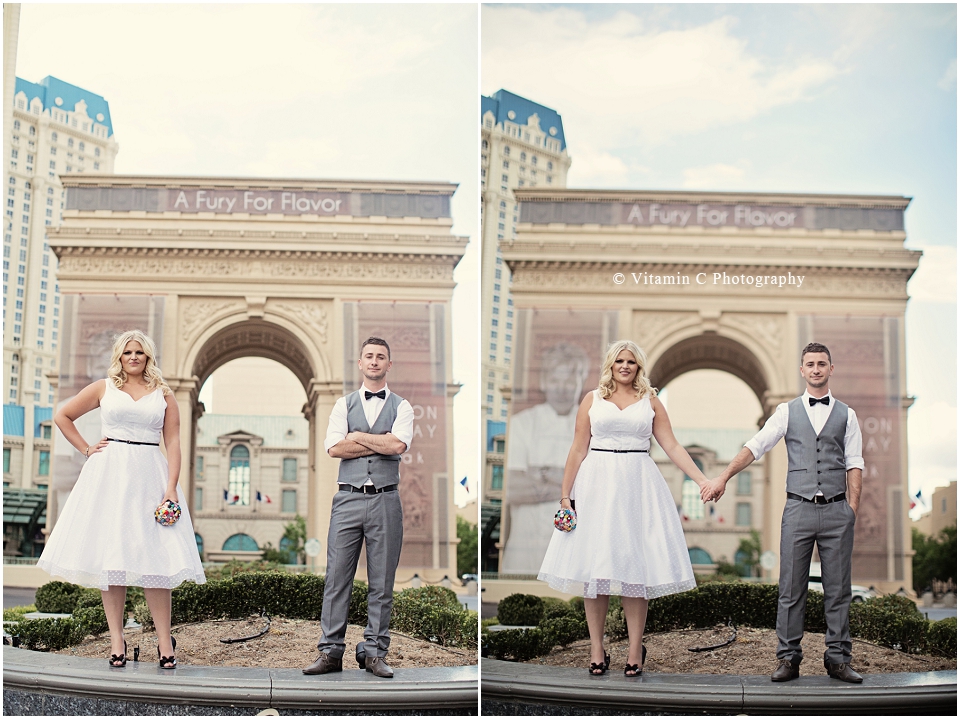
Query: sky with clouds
[313, 91]
[784, 98]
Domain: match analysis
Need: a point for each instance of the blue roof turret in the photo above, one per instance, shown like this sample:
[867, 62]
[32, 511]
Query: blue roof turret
[50, 88]
[504, 102]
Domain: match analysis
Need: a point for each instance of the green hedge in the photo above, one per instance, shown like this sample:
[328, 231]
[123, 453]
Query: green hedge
[520, 610]
[942, 637]
[890, 621]
[57, 597]
[431, 613]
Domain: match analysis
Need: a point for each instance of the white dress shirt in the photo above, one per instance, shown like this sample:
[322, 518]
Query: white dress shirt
[337, 428]
[776, 427]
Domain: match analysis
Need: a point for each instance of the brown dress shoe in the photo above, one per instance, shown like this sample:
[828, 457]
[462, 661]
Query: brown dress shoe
[785, 671]
[379, 667]
[325, 664]
[844, 673]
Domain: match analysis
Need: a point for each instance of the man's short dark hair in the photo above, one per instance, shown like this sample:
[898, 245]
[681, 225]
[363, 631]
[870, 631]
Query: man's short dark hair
[375, 341]
[816, 347]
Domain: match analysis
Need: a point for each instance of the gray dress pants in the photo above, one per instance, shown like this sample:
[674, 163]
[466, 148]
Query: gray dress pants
[831, 527]
[376, 519]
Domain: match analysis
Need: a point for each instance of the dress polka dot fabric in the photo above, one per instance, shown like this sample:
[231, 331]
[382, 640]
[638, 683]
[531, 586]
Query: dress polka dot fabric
[106, 534]
[628, 539]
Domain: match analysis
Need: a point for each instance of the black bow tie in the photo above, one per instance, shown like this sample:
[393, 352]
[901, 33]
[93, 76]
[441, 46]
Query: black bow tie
[382, 394]
[812, 400]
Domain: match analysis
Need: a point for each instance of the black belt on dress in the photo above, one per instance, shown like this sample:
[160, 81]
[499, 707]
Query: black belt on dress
[818, 498]
[127, 441]
[619, 451]
[368, 489]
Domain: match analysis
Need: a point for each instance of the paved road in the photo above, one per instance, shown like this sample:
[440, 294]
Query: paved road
[937, 614]
[16, 597]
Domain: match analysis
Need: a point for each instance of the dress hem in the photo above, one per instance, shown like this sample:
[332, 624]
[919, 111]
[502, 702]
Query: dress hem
[594, 587]
[120, 578]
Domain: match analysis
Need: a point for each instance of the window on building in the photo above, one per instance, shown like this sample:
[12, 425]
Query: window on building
[238, 490]
[289, 501]
[744, 514]
[289, 469]
[69, 142]
[496, 480]
[506, 150]
[549, 165]
[498, 445]
[43, 467]
[198, 467]
[96, 152]
[744, 483]
[699, 556]
[240, 543]
[198, 499]
[690, 499]
[6, 460]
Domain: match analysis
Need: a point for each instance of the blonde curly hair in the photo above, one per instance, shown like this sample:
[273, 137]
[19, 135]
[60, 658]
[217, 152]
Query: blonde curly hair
[151, 373]
[640, 382]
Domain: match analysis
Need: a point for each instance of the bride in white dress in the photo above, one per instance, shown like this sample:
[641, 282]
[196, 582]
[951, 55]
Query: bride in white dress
[628, 539]
[106, 535]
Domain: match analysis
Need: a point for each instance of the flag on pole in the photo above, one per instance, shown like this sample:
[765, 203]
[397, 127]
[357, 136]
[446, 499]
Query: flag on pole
[236, 498]
[264, 498]
[917, 499]
[226, 495]
[463, 483]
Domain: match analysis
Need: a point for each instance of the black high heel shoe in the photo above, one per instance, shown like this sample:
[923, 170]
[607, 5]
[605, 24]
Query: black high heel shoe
[168, 662]
[637, 669]
[122, 658]
[598, 670]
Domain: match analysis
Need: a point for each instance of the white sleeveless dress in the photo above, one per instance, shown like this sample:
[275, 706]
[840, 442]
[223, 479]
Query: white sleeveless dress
[106, 533]
[628, 540]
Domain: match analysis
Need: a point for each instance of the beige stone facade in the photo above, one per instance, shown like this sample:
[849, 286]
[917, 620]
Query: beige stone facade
[943, 511]
[290, 271]
[658, 268]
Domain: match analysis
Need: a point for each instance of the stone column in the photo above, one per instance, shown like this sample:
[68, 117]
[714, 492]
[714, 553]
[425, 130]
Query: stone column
[322, 472]
[185, 391]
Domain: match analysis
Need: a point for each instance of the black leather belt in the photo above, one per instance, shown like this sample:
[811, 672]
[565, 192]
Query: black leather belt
[818, 499]
[127, 441]
[367, 489]
[619, 451]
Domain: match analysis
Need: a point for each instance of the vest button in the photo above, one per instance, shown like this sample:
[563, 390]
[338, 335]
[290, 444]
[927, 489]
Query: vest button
[818, 472]
[818, 461]
[818, 484]
[369, 461]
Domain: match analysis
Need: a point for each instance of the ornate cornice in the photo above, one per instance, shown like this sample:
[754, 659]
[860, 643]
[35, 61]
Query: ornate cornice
[90, 262]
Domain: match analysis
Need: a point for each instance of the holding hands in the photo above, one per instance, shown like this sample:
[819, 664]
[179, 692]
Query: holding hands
[712, 489]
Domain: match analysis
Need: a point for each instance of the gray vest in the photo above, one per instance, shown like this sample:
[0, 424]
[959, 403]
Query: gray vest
[816, 462]
[382, 469]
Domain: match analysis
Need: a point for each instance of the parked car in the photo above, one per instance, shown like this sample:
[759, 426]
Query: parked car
[466, 578]
[860, 593]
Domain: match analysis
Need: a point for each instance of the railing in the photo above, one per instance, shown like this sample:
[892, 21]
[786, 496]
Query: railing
[23, 561]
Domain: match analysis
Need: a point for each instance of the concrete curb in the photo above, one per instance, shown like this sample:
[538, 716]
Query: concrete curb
[512, 688]
[412, 691]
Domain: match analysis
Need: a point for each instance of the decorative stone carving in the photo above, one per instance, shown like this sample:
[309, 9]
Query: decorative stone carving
[769, 330]
[310, 314]
[648, 327]
[195, 312]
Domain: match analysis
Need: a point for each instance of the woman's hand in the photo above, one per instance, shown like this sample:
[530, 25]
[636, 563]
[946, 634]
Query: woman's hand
[170, 495]
[565, 503]
[94, 448]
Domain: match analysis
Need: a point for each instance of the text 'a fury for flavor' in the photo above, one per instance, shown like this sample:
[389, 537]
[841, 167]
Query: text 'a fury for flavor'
[704, 215]
[284, 202]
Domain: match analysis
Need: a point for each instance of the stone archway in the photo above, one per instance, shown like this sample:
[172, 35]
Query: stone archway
[223, 268]
[738, 282]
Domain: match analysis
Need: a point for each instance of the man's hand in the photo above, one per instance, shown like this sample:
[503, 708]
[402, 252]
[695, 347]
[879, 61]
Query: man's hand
[713, 489]
[385, 443]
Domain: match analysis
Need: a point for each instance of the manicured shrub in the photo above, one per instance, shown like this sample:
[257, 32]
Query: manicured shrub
[49, 633]
[16, 613]
[942, 637]
[520, 610]
[894, 603]
[433, 595]
[141, 613]
[518, 644]
[434, 613]
[564, 630]
[89, 598]
[895, 629]
[57, 597]
[93, 619]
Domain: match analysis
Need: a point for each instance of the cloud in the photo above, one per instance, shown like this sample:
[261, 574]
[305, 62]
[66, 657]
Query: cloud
[716, 177]
[622, 81]
[949, 80]
[936, 278]
[932, 438]
[595, 167]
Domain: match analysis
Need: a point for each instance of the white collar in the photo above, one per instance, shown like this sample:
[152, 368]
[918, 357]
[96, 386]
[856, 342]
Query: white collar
[806, 393]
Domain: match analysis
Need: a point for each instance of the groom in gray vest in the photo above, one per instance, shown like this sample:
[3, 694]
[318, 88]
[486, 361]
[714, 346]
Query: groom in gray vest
[369, 429]
[824, 478]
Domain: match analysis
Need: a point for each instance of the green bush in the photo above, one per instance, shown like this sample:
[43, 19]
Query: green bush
[434, 613]
[564, 630]
[93, 619]
[520, 610]
[141, 613]
[942, 637]
[49, 633]
[519, 644]
[88, 597]
[57, 597]
[894, 603]
[16, 613]
[433, 595]
[489, 622]
[895, 629]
